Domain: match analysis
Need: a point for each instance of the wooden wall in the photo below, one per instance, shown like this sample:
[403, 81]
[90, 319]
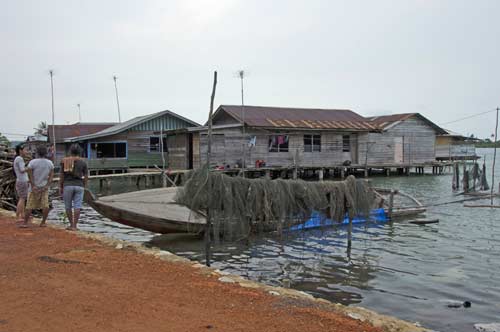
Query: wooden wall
[228, 146]
[196, 150]
[417, 139]
[178, 151]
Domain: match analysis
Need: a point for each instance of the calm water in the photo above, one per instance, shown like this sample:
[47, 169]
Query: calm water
[400, 269]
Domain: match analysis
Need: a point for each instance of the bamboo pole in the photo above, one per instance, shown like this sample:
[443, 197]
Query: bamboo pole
[208, 224]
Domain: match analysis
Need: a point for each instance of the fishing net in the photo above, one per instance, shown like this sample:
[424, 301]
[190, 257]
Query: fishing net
[239, 206]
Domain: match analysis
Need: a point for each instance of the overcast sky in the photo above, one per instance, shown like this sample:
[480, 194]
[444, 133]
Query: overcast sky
[439, 58]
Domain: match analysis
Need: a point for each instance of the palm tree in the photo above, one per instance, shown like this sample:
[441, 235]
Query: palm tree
[4, 140]
[41, 129]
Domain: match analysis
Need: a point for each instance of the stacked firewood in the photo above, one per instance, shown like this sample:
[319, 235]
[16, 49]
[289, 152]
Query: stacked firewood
[8, 199]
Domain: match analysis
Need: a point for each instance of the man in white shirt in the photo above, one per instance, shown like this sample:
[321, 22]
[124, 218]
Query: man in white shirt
[40, 174]
[22, 181]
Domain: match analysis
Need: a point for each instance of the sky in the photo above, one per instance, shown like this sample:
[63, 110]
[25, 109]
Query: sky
[440, 58]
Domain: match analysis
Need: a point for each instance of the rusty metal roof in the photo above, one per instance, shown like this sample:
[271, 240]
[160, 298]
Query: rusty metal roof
[77, 129]
[386, 121]
[299, 118]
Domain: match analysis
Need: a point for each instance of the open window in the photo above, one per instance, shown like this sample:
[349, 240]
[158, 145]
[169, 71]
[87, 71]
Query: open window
[155, 146]
[312, 143]
[346, 143]
[278, 143]
[108, 150]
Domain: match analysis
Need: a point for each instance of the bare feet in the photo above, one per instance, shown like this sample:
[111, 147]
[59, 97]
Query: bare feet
[43, 224]
[70, 228]
[23, 225]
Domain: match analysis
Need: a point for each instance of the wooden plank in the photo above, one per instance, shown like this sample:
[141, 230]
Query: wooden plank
[482, 206]
[424, 221]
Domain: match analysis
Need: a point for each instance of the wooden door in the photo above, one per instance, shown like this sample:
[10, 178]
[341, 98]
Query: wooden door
[398, 150]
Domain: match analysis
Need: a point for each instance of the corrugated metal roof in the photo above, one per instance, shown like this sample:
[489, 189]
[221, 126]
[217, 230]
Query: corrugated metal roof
[63, 132]
[386, 121]
[146, 122]
[300, 118]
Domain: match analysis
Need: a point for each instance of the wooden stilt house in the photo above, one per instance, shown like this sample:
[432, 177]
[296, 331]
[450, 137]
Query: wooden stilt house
[137, 143]
[279, 137]
[404, 139]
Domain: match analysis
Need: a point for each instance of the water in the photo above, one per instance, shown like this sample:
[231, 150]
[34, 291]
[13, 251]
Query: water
[400, 269]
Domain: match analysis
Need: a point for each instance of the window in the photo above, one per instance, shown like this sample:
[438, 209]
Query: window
[278, 143]
[108, 150]
[154, 144]
[346, 143]
[312, 143]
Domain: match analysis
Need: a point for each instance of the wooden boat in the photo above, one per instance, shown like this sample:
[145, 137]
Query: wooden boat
[155, 210]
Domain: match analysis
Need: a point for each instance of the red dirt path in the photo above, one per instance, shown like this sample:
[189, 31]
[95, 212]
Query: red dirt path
[52, 280]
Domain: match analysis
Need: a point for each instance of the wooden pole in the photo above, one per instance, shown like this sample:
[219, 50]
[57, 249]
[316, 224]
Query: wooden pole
[208, 224]
[391, 204]
[163, 175]
[494, 159]
[349, 233]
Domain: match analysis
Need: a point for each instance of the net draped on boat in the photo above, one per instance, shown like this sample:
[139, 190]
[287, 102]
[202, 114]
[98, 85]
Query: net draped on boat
[240, 206]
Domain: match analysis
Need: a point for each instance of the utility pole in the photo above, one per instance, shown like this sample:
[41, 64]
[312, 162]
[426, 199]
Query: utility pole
[51, 72]
[494, 158]
[79, 113]
[241, 75]
[117, 100]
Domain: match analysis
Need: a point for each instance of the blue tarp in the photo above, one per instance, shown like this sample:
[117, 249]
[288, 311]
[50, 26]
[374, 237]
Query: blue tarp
[319, 220]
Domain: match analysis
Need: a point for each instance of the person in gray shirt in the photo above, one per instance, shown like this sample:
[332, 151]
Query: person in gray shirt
[73, 179]
[40, 174]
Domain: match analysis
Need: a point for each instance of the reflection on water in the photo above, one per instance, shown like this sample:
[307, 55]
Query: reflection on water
[397, 268]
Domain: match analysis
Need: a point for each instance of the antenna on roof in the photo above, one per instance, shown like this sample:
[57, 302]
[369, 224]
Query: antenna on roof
[51, 73]
[241, 75]
[79, 113]
[117, 100]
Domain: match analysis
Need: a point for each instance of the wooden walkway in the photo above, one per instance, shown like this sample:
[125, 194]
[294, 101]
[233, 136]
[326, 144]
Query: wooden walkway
[341, 172]
[177, 177]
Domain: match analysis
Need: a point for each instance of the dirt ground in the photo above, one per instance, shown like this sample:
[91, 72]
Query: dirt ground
[53, 280]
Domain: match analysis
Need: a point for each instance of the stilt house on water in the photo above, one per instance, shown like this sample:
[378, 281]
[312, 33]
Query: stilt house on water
[62, 132]
[279, 137]
[454, 146]
[405, 139]
[137, 143]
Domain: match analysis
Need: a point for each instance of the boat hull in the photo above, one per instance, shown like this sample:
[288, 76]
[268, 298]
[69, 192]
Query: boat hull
[155, 210]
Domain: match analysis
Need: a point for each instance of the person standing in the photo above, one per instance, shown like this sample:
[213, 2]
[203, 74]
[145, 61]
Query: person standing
[40, 174]
[73, 179]
[22, 181]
